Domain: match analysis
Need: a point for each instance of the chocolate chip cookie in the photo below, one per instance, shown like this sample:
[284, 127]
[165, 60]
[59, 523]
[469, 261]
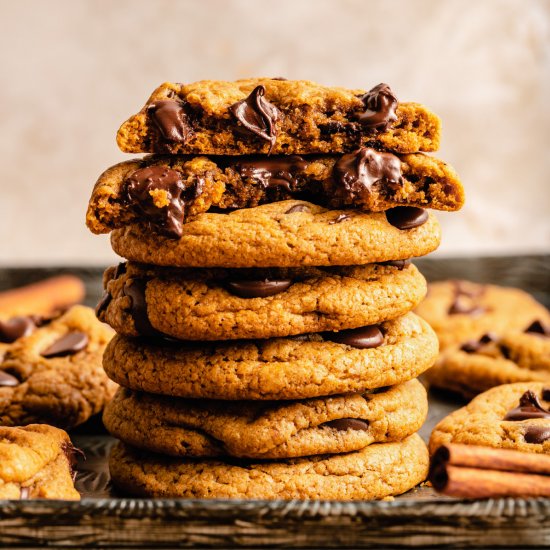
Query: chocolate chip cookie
[285, 234]
[166, 191]
[512, 416]
[494, 359]
[276, 116]
[36, 462]
[236, 304]
[54, 374]
[460, 311]
[312, 365]
[259, 429]
[377, 471]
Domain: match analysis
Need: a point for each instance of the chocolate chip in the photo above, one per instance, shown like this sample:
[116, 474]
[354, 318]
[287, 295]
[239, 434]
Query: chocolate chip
[273, 172]
[357, 173]
[529, 407]
[298, 208]
[24, 493]
[15, 328]
[538, 327]
[536, 433]
[363, 337]
[258, 115]
[120, 269]
[380, 105]
[135, 289]
[69, 344]
[170, 118]
[258, 289]
[103, 304]
[473, 346]
[463, 306]
[140, 190]
[400, 264]
[7, 380]
[341, 218]
[406, 217]
[546, 394]
[344, 424]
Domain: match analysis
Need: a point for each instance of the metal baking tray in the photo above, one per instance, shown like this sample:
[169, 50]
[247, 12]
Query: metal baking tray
[419, 518]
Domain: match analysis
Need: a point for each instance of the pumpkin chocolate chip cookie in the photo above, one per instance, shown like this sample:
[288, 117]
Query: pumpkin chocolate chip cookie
[276, 116]
[54, 374]
[377, 471]
[306, 366]
[285, 234]
[166, 191]
[512, 416]
[259, 429]
[36, 462]
[235, 304]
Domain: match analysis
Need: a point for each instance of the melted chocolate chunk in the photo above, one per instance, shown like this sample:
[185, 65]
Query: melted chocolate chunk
[7, 380]
[135, 289]
[406, 217]
[69, 344]
[473, 346]
[257, 115]
[103, 304]
[538, 327]
[380, 105]
[298, 208]
[546, 394]
[258, 289]
[464, 306]
[24, 493]
[400, 264]
[536, 433]
[170, 118]
[120, 269]
[529, 407]
[362, 338]
[344, 424]
[358, 172]
[273, 172]
[341, 218]
[140, 188]
[16, 327]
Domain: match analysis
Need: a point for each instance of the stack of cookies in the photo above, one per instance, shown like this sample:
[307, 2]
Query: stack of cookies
[266, 346]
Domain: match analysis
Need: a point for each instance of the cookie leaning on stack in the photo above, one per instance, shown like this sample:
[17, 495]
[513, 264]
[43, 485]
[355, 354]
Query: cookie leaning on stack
[281, 284]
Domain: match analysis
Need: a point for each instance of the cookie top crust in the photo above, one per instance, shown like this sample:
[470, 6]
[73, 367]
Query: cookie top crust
[511, 416]
[460, 310]
[374, 472]
[255, 429]
[279, 368]
[272, 116]
[36, 462]
[167, 191]
[285, 234]
[54, 374]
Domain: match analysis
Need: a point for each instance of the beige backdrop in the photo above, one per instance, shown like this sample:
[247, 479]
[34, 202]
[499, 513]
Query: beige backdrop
[73, 70]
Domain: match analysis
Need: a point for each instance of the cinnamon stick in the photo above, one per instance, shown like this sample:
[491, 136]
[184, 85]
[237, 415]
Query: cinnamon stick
[471, 471]
[43, 297]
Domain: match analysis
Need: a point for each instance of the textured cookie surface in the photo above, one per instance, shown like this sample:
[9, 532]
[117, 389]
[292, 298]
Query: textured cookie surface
[283, 368]
[376, 471]
[54, 375]
[366, 180]
[259, 429]
[279, 234]
[282, 117]
[478, 365]
[36, 462]
[502, 417]
[459, 311]
[209, 305]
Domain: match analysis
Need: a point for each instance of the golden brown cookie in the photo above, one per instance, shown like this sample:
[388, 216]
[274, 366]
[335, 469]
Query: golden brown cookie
[283, 368]
[259, 429]
[459, 311]
[277, 116]
[36, 462]
[236, 304]
[494, 359]
[377, 471]
[166, 191]
[512, 416]
[54, 374]
[285, 234]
